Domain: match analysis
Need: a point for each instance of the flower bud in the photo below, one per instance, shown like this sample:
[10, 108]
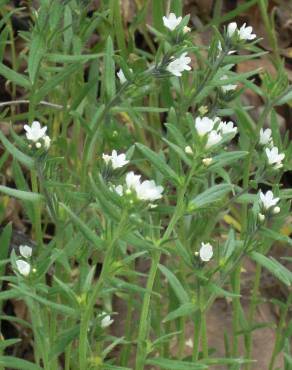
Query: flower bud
[188, 150]
[261, 217]
[38, 145]
[207, 161]
[276, 210]
[186, 29]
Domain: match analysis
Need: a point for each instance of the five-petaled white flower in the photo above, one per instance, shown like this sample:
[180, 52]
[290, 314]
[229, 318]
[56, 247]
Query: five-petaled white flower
[204, 125]
[265, 136]
[149, 191]
[267, 200]
[23, 267]
[274, 157]
[117, 161]
[227, 128]
[25, 251]
[146, 190]
[226, 88]
[213, 138]
[206, 252]
[35, 132]
[177, 66]
[245, 33]
[106, 320]
[171, 22]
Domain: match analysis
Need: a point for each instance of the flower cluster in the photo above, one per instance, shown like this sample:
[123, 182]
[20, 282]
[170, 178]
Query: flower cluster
[268, 203]
[37, 135]
[145, 191]
[23, 266]
[215, 129]
[116, 161]
[272, 152]
[244, 32]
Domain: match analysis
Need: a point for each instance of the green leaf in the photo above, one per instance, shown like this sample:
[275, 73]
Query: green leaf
[8, 342]
[175, 284]
[209, 196]
[109, 73]
[286, 97]
[225, 159]
[15, 77]
[63, 340]
[274, 235]
[17, 363]
[158, 163]
[62, 58]
[86, 231]
[20, 194]
[37, 48]
[4, 247]
[274, 267]
[164, 363]
[114, 367]
[17, 154]
[53, 82]
[184, 310]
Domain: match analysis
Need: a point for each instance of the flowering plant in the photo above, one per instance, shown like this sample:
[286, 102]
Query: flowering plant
[142, 158]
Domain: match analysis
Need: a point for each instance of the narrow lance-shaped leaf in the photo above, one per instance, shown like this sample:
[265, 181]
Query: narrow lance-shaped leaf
[86, 231]
[17, 154]
[209, 196]
[158, 163]
[20, 194]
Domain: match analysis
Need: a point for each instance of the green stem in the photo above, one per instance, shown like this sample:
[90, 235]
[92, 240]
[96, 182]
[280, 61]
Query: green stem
[37, 210]
[197, 334]
[204, 334]
[144, 319]
[251, 313]
[279, 333]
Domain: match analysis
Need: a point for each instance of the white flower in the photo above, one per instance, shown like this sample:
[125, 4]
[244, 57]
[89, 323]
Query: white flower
[47, 142]
[121, 76]
[268, 200]
[206, 252]
[231, 28]
[213, 139]
[35, 132]
[226, 88]
[117, 161]
[245, 33]
[38, 145]
[25, 251]
[177, 66]
[265, 136]
[204, 125]
[132, 180]
[149, 191]
[171, 22]
[227, 128]
[23, 267]
[106, 321]
[186, 29]
[276, 210]
[274, 157]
